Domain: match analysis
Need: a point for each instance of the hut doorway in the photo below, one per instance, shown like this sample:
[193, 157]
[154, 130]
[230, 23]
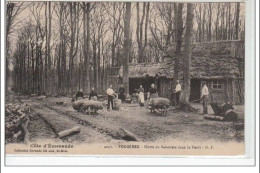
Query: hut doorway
[194, 89]
[134, 84]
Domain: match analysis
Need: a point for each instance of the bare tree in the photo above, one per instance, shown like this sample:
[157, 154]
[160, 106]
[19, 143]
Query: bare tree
[13, 10]
[74, 27]
[237, 20]
[187, 53]
[142, 43]
[126, 46]
[86, 49]
[178, 36]
[210, 21]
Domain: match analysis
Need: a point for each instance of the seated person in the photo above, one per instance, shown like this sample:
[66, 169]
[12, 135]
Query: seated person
[79, 94]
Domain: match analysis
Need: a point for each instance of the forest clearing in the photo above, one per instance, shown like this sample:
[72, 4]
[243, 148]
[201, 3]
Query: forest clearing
[47, 118]
[173, 58]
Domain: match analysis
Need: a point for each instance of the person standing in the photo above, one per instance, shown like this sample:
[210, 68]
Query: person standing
[204, 98]
[177, 92]
[121, 94]
[141, 96]
[110, 97]
[93, 95]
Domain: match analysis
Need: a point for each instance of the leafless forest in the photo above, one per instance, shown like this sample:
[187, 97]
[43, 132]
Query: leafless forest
[54, 49]
[60, 47]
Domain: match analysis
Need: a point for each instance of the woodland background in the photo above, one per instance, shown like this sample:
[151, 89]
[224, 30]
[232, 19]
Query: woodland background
[60, 47]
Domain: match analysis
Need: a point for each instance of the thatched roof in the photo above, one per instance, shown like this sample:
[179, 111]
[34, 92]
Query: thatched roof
[207, 62]
[142, 70]
[214, 67]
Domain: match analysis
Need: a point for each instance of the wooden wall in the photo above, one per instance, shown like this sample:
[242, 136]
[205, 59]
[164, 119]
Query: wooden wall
[165, 87]
[232, 90]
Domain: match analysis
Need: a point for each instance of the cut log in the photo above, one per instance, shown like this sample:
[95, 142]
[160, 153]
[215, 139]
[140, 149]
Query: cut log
[41, 97]
[221, 109]
[230, 115]
[68, 132]
[23, 116]
[17, 134]
[214, 117]
[126, 135]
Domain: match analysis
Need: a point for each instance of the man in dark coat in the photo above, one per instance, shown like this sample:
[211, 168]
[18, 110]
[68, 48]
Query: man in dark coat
[79, 94]
[121, 95]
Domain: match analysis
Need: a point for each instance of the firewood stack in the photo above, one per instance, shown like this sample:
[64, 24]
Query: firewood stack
[16, 115]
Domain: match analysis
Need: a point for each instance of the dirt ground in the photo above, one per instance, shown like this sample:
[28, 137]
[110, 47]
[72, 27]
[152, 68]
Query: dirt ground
[49, 118]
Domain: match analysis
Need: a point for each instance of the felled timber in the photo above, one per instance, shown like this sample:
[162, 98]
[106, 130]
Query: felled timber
[127, 135]
[68, 132]
[230, 115]
[214, 117]
[225, 110]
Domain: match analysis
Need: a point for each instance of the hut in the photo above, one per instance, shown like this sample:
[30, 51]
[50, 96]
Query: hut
[218, 64]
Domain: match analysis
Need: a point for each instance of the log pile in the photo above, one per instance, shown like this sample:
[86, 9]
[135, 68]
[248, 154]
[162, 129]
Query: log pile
[16, 116]
[90, 106]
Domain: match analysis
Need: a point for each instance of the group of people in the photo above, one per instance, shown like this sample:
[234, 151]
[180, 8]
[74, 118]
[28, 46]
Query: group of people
[92, 96]
[175, 98]
[152, 93]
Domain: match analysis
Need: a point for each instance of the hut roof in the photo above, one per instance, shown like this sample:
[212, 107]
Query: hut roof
[203, 67]
[141, 70]
[209, 60]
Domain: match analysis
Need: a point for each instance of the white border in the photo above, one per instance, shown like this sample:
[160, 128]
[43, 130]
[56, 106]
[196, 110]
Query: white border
[166, 161]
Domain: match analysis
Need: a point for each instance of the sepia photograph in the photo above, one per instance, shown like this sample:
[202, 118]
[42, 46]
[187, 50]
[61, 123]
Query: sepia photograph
[125, 78]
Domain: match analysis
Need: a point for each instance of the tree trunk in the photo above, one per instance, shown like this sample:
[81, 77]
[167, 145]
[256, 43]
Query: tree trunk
[140, 43]
[126, 46]
[137, 25]
[210, 18]
[216, 24]
[237, 20]
[203, 23]
[86, 26]
[179, 31]
[50, 79]
[46, 48]
[187, 53]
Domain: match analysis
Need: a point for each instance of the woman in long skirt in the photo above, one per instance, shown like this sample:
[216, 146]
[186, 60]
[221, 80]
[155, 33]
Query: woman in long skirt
[141, 96]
